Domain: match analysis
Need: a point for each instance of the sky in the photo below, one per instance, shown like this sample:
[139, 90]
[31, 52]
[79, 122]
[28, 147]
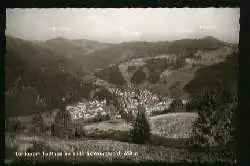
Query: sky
[124, 25]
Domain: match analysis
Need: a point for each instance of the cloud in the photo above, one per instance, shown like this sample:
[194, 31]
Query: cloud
[105, 27]
[60, 29]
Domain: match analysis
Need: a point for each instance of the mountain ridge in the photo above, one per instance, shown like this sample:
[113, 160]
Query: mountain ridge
[209, 37]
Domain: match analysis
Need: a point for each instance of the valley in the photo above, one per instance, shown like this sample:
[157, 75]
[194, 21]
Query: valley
[100, 87]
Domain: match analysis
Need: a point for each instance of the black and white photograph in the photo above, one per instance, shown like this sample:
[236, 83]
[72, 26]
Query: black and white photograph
[121, 84]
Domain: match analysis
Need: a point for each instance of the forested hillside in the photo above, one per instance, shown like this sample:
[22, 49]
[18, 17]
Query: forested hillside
[214, 96]
[37, 78]
[224, 74]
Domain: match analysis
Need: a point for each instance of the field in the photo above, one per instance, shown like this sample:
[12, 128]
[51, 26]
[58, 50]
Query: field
[172, 125]
[89, 149]
[139, 152]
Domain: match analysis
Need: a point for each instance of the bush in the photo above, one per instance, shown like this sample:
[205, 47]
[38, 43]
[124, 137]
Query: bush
[165, 111]
[56, 130]
[79, 132]
[215, 124]
[39, 125]
[60, 127]
[176, 106]
[141, 129]
[38, 147]
[99, 117]
[62, 118]
[71, 131]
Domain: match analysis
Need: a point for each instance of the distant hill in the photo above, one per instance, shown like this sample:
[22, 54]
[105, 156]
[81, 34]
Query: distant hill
[73, 49]
[36, 59]
[126, 51]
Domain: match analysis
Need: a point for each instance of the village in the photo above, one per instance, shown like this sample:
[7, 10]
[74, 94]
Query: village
[129, 101]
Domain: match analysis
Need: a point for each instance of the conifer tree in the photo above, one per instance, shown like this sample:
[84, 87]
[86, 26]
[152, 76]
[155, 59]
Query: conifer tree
[38, 122]
[141, 128]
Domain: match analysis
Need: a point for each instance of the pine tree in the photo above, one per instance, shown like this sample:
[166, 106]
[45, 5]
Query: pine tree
[79, 131]
[141, 128]
[61, 123]
[53, 129]
[39, 125]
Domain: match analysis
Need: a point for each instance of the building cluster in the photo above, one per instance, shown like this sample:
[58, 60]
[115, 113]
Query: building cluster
[87, 109]
[190, 61]
[90, 109]
[129, 99]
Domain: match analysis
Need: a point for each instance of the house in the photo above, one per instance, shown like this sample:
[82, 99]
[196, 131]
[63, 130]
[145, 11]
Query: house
[184, 101]
[190, 61]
